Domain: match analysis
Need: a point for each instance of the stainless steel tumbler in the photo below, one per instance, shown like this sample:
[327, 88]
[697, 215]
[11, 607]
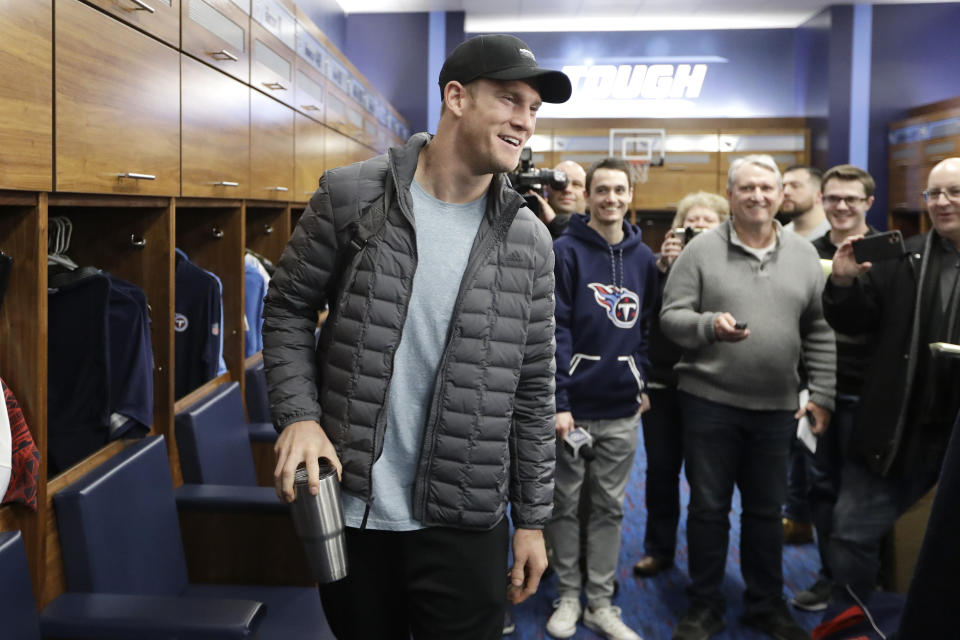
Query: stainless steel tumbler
[318, 521]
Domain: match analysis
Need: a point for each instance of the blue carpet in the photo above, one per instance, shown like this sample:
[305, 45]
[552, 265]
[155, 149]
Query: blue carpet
[652, 606]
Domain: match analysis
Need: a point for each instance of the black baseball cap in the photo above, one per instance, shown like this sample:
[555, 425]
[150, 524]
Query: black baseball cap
[503, 57]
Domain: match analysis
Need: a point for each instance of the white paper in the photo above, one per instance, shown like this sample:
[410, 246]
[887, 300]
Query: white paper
[804, 432]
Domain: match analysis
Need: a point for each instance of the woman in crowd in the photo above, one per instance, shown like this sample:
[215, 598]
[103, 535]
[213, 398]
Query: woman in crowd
[662, 431]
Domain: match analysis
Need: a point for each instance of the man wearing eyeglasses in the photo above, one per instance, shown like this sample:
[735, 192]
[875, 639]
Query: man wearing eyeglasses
[847, 195]
[908, 405]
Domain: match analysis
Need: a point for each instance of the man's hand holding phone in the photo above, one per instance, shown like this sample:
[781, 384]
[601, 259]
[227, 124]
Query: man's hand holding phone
[727, 329]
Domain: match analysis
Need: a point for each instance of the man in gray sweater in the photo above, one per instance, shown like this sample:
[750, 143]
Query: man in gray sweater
[743, 302]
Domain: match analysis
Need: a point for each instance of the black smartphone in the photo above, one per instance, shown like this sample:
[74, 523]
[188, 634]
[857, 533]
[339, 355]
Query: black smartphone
[740, 325]
[882, 246]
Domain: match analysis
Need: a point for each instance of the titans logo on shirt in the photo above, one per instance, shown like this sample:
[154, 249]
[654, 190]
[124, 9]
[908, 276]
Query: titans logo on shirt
[622, 305]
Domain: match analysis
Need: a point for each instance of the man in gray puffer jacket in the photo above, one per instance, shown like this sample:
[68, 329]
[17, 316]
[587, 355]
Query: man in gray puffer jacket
[431, 388]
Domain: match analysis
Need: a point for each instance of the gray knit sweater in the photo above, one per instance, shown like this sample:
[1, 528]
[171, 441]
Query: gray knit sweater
[779, 298]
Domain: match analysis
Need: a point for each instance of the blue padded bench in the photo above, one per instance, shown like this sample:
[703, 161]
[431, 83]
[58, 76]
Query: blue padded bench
[120, 534]
[255, 393]
[18, 614]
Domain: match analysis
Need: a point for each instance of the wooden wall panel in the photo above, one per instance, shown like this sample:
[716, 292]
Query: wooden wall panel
[271, 148]
[160, 18]
[26, 95]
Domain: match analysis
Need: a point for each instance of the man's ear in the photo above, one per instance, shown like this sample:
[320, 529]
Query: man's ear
[455, 96]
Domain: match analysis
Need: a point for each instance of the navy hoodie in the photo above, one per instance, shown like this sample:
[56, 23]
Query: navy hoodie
[605, 296]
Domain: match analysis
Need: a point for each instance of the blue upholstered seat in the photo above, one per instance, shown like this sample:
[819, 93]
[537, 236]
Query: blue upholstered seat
[120, 534]
[18, 614]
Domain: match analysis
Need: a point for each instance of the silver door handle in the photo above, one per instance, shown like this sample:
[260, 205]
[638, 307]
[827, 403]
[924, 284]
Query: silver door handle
[226, 183]
[143, 6]
[138, 176]
[223, 54]
[276, 86]
[310, 107]
[282, 189]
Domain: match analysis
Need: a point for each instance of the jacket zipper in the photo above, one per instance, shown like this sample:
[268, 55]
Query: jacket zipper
[497, 233]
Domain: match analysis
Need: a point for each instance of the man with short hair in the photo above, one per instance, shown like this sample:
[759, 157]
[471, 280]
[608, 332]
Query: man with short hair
[431, 387]
[607, 286]
[909, 402]
[847, 196]
[802, 202]
[560, 204]
[743, 302]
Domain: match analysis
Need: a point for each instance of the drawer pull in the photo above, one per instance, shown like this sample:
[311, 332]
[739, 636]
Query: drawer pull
[310, 107]
[275, 86]
[143, 6]
[138, 176]
[226, 183]
[281, 189]
[223, 54]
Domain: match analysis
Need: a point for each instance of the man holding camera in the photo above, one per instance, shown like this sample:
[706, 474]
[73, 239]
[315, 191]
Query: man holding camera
[606, 289]
[432, 386]
[909, 403]
[566, 202]
[738, 389]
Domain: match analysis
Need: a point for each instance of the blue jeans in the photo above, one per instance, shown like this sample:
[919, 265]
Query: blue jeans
[663, 441]
[824, 472]
[867, 508]
[726, 446]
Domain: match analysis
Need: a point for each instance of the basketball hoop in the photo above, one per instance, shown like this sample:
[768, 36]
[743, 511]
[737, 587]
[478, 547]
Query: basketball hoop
[641, 169]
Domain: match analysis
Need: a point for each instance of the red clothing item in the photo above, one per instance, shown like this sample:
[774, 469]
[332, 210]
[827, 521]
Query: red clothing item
[25, 456]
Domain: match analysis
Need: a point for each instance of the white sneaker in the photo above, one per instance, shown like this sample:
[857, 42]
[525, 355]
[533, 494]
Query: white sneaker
[563, 620]
[606, 621]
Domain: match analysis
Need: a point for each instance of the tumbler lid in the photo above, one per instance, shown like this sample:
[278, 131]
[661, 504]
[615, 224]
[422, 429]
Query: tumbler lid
[326, 470]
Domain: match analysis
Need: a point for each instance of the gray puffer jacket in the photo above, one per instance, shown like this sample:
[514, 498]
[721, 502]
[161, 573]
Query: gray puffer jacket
[489, 434]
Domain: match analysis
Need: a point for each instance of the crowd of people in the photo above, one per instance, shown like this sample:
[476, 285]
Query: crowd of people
[476, 357]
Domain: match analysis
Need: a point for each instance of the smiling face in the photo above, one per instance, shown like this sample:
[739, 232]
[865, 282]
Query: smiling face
[846, 204]
[609, 197]
[754, 195]
[944, 209]
[572, 198]
[496, 120]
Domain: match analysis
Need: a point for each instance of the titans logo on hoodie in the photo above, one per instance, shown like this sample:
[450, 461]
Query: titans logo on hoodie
[622, 305]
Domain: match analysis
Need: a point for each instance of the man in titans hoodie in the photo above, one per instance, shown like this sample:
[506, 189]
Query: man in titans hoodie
[606, 289]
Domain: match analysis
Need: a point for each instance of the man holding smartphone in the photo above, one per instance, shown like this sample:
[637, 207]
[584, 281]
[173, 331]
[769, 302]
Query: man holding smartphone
[738, 390]
[907, 407]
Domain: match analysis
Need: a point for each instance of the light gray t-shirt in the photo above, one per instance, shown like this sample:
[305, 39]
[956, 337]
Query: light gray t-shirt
[445, 234]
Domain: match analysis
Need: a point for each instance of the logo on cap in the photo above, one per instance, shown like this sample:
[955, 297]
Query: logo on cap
[527, 53]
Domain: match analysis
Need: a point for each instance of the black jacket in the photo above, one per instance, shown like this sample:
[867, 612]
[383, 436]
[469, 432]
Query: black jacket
[489, 432]
[885, 300]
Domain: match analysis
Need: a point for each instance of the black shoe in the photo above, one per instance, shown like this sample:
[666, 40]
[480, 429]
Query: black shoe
[815, 598]
[698, 623]
[776, 623]
[650, 566]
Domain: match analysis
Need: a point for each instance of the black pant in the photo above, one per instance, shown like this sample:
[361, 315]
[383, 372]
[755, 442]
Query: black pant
[726, 446]
[432, 583]
[663, 440]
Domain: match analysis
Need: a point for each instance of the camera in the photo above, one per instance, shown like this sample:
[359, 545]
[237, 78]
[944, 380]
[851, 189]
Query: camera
[686, 233]
[527, 179]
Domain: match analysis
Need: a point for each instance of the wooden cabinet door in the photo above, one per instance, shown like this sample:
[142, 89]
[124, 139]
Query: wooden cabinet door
[160, 18]
[664, 188]
[271, 148]
[334, 150]
[309, 91]
[217, 32]
[215, 133]
[117, 106]
[26, 95]
[272, 65]
[309, 143]
[336, 108]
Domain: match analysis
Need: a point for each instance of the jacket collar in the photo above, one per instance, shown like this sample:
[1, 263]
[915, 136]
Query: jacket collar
[501, 197]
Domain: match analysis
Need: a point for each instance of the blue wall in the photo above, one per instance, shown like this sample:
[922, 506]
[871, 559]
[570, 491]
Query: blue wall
[916, 61]
[753, 75]
[391, 51]
[328, 15]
